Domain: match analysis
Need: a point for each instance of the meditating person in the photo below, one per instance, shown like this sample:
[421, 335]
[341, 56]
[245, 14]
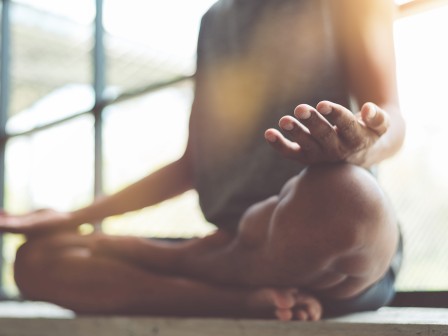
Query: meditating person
[331, 233]
[303, 230]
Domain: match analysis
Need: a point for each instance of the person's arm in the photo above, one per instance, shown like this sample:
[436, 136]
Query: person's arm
[163, 184]
[367, 48]
[330, 132]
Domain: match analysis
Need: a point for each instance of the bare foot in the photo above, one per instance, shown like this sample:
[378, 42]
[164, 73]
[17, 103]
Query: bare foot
[306, 307]
[285, 304]
[265, 302]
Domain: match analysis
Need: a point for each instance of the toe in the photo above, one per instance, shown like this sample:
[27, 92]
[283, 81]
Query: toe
[284, 314]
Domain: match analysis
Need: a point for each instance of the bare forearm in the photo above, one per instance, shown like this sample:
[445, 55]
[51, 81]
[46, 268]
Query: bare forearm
[163, 184]
[366, 45]
[390, 142]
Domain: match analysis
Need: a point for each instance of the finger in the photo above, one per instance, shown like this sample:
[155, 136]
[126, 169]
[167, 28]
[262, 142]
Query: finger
[285, 147]
[296, 132]
[5, 221]
[278, 140]
[302, 315]
[10, 224]
[304, 153]
[347, 125]
[320, 129]
[375, 118]
[284, 314]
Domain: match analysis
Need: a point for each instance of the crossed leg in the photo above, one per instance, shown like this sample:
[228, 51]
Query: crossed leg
[72, 277]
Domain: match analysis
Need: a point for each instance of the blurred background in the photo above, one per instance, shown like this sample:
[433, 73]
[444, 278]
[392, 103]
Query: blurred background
[64, 141]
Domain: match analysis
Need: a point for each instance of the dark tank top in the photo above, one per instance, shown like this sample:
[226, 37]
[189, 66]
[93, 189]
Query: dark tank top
[257, 60]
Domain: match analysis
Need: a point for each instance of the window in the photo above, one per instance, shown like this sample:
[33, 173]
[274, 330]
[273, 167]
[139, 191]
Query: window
[70, 119]
[417, 178]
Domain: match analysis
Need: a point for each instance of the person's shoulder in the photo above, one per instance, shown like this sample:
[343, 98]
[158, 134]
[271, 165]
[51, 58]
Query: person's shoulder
[220, 9]
[216, 8]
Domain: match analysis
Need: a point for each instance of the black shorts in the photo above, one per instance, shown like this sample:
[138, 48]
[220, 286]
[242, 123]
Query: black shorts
[376, 296]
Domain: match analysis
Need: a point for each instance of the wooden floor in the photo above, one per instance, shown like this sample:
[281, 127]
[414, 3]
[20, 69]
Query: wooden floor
[42, 319]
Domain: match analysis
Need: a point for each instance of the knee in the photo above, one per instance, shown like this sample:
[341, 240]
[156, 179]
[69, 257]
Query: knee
[349, 199]
[343, 194]
[29, 268]
[335, 206]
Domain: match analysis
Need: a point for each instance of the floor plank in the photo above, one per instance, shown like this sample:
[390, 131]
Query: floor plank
[42, 319]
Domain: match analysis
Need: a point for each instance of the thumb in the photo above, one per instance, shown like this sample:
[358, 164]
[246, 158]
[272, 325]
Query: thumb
[375, 118]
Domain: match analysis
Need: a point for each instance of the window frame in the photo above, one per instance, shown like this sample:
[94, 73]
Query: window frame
[101, 102]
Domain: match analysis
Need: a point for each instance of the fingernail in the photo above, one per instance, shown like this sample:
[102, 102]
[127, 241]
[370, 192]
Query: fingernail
[326, 109]
[288, 127]
[271, 137]
[371, 112]
[305, 114]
